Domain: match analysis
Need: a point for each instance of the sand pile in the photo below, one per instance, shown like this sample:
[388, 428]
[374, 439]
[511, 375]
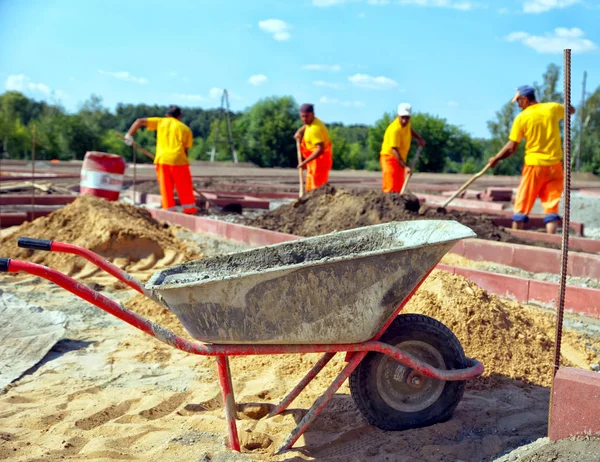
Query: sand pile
[328, 209]
[125, 234]
[500, 334]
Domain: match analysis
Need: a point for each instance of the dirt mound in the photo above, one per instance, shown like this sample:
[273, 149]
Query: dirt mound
[500, 334]
[122, 233]
[329, 209]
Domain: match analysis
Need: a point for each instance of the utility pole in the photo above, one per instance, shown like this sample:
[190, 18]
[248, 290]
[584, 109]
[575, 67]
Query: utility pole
[581, 126]
[224, 108]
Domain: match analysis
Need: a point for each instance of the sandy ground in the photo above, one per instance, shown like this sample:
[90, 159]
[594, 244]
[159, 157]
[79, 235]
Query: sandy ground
[543, 450]
[110, 392]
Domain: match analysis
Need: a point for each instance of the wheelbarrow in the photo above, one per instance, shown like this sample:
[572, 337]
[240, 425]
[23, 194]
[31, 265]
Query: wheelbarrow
[339, 292]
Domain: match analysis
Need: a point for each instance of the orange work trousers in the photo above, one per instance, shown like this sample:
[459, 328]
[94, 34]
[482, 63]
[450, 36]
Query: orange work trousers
[545, 182]
[176, 176]
[392, 174]
[317, 171]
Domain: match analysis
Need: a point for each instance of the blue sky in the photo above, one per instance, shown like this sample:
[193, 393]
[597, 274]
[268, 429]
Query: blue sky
[354, 59]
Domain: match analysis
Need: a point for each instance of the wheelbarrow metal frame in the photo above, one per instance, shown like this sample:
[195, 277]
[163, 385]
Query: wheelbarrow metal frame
[354, 352]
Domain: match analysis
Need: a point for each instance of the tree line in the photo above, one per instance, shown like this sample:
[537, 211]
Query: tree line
[262, 133]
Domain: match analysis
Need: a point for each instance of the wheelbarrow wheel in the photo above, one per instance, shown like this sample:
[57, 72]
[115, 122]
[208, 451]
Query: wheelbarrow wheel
[392, 396]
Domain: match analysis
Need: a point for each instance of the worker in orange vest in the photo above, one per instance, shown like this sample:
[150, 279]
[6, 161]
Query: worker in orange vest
[173, 139]
[394, 150]
[542, 175]
[315, 147]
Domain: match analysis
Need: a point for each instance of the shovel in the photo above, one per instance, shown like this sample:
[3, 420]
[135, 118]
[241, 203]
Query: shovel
[412, 168]
[138, 147]
[300, 170]
[466, 185]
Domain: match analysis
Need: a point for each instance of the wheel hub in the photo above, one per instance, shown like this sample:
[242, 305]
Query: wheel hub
[405, 389]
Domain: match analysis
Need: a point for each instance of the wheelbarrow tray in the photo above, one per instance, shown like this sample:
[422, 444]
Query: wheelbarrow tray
[335, 288]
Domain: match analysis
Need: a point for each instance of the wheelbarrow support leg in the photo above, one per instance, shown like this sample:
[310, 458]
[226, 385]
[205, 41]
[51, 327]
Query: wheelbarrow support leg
[320, 364]
[320, 403]
[228, 401]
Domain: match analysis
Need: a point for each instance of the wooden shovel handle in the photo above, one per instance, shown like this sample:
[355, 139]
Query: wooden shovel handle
[138, 147]
[300, 170]
[466, 185]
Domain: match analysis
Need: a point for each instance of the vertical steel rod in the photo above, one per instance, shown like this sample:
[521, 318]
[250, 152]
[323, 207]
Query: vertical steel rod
[567, 210]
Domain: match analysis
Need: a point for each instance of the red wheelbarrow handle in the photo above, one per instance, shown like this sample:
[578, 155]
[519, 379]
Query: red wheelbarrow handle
[13, 266]
[61, 247]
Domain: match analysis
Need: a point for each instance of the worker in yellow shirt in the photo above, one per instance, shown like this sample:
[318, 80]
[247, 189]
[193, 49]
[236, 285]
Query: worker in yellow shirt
[173, 139]
[542, 174]
[394, 150]
[315, 147]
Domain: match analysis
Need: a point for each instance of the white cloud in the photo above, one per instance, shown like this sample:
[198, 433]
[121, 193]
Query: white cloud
[126, 76]
[458, 5]
[190, 98]
[326, 100]
[377, 83]
[555, 42]
[322, 83]
[22, 83]
[322, 67]
[280, 30]
[541, 6]
[503, 11]
[258, 79]
[361, 15]
[452, 104]
[173, 74]
[378, 2]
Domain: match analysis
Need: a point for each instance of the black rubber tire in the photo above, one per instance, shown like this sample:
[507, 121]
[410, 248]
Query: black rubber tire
[364, 380]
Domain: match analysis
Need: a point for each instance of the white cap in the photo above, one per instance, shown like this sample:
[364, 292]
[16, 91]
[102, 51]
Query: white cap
[404, 109]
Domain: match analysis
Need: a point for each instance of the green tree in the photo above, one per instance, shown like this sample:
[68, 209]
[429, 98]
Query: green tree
[548, 90]
[269, 128]
[590, 143]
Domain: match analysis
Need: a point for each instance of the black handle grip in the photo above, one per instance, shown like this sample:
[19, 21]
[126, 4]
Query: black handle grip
[34, 244]
[4, 262]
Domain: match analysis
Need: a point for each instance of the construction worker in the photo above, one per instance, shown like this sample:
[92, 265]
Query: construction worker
[542, 174]
[315, 147]
[173, 139]
[394, 150]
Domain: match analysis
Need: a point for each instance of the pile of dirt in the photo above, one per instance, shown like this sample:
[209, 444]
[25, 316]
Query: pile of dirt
[502, 335]
[122, 233]
[329, 209]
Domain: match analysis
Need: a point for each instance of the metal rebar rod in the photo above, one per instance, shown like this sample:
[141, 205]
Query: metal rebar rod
[567, 210]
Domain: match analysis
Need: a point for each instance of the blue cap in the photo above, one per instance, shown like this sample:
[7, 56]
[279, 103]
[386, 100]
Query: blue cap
[524, 90]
